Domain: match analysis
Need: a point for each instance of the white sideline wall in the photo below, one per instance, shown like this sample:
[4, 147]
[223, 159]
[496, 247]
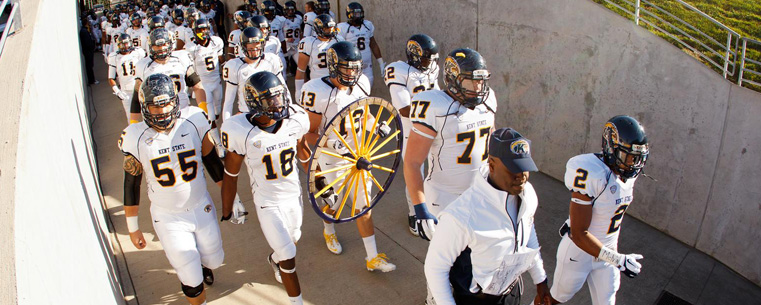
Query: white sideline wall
[560, 69]
[62, 243]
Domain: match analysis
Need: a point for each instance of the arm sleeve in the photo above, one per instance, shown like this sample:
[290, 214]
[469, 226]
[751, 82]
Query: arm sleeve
[231, 91]
[112, 68]
[450, 240]
[400, 96]
[132, 189]
[537, 270]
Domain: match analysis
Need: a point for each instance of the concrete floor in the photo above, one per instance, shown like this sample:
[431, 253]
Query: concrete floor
[246, 278]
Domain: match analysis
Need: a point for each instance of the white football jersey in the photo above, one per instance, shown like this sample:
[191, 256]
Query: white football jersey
[236, 71]
[171, 162]
[113, 33]
[309, 23]
[270, 158]
[589, 175]
[139, 37]
[206, 58]
[183, 33]
[402, 74]
[273, 45]
[320, 96]
[292, 30]
[123, 68]
[316, 49]
[360, 36]
[177, 67]
[276, 27]
[170, 26]
[459, 148]
[233, 40]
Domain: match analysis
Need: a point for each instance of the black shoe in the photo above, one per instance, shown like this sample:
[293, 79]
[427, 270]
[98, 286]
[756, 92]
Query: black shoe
[413, 225]
[208, 276]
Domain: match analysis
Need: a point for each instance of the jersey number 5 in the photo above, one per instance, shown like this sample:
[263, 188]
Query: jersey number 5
[470, 136]
[189, 168]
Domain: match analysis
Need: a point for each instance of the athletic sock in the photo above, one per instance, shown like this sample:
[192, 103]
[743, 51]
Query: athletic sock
[370, 247]
[296, 300]
[329, 228]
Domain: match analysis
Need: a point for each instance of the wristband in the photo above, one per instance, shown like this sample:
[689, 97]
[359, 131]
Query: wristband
[610, 256]
[380, 62]
[132, 225]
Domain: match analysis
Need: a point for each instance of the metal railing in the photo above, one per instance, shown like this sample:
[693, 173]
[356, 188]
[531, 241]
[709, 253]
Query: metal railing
[723, 51]
[9, 24]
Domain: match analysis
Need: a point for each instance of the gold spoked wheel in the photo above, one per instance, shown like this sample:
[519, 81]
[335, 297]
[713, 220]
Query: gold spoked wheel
[355, 160]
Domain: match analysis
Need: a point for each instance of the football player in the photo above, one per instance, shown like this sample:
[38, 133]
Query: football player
[121, 68]
[320, 7]
[155, 22]
[177, 66]
[178, 28]
[251, 7]
[112, 32]
[405, 79]
[292, 30]
[206, 51]
[208, 13]
[602, 188]
[451, 129]
[240, 19]
[312, 51]
[274, 44]
[361, 33]
[266, 139]
[138, 33]
[323, 98]
[169, 146]
[236, 71]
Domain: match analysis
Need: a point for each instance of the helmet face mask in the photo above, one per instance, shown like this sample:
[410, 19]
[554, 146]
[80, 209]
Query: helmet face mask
[136, 20]
[202, 30]
[161, 44]
[241, 19]
[422, 52]
[177, 17]
[266, 96]
[156, 22]
[344, 63]
[322, 7]
[625, 147]
[261, 23]
[252, 43]
[466, 77]
[355, 13]
[124, 44]
[325, 26]
[159, 102]
[268, 9]
[290, 9]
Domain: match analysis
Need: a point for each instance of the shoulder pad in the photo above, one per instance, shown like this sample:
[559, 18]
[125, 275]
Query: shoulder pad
[130, 138]
[199, 119]
[586, 174]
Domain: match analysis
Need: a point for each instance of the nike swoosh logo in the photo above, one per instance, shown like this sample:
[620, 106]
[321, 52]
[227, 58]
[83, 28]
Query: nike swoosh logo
[434, 204]
[291, 134]
[573, 260]
[185, 134]
[155, 221]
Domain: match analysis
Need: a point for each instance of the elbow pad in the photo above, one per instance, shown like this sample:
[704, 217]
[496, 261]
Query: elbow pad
[214, 165]
[132, 189]
[192, 79]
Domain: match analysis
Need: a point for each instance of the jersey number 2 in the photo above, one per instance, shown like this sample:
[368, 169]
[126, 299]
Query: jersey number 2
[615, 222]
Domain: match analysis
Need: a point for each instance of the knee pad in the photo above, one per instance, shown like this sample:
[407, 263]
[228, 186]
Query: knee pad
[192, 292]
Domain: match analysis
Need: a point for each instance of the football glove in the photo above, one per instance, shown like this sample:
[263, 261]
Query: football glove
[629, 265]
[383, 130]
[426, 222]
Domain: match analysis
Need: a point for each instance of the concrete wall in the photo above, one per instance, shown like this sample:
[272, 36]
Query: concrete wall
[62, 242]
[562, 68]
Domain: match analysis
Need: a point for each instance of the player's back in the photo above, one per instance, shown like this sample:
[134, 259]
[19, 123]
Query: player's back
[316, 49]
[459, 148]
[589, 175]
[172, 163]
[269, 157]
[416, 81]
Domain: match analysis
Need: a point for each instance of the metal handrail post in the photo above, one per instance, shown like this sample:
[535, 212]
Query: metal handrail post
[636, 13]
[8, 24]
[742, 64]
[726, 54]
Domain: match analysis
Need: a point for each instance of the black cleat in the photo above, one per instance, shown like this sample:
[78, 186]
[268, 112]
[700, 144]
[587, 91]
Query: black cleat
[208, 276]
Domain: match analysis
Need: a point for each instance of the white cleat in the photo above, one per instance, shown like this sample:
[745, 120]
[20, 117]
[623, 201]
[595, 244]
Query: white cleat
[275, 268]
[331, 240]
[380, 262]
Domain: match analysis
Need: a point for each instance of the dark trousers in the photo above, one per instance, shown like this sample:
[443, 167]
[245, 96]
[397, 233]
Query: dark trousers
[89, 67]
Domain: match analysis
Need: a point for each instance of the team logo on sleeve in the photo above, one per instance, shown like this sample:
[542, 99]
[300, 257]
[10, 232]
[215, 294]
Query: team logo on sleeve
[520, 147]
[613, 189]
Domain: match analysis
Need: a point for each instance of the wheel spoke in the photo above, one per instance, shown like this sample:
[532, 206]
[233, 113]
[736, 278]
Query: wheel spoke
[380, 187]
[385, 169]
[340, 189]
[363, 128]
[388, 138]
[386, 154]
[372, 140]
[334, 170]
[332, 154]
[354, 196]
[331, 184]
[346, 195]
[340, 138]
[354, 132]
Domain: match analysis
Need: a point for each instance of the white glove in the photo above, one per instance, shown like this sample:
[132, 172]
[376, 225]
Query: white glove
[383, 130]
[239, 213]
[123, 95]
[426, 222]
[629, 265]
[338, 146]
